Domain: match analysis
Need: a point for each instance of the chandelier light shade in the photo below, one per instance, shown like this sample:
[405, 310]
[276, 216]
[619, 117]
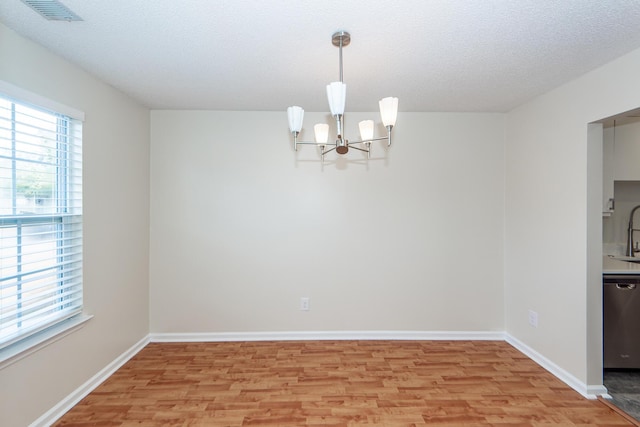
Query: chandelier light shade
[389, 111]
[296, 114]
[366, 130]
[337, 97]
[322, 133]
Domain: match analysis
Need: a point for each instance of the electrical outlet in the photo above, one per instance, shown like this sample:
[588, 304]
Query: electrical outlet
[304, 304]
[533, 318]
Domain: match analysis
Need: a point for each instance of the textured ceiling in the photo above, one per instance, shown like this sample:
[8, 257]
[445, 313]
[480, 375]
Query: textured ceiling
[435, 55]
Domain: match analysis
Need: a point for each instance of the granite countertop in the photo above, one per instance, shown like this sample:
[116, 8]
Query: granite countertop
[617, 266]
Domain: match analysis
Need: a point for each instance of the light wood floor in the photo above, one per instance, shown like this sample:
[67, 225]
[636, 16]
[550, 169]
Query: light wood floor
[336, 383]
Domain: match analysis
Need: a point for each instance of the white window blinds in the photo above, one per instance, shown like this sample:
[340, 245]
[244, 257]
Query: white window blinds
[40, 219]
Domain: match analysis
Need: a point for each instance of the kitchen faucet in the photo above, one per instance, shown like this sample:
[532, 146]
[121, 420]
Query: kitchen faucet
[631, 250]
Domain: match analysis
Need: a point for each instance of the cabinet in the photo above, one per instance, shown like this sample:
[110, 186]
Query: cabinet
[620, 156]
[626, 149]
[608, 201]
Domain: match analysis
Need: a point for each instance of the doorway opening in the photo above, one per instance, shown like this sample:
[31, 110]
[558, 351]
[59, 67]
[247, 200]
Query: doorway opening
[619, 140]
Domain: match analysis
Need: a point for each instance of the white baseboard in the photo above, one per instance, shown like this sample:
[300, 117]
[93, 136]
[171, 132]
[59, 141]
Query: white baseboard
[327, 335]
[53, 414]
[588, 391]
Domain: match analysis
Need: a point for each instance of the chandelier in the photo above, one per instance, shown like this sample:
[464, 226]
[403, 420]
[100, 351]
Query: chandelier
[336, 94]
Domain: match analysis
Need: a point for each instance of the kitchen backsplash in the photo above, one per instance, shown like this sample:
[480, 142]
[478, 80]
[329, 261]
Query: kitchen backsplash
[614, 227]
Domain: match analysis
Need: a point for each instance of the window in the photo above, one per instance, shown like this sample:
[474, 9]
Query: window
[40, 219]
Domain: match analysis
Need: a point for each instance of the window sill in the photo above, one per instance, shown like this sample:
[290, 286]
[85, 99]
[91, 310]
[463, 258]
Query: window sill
[40, 340]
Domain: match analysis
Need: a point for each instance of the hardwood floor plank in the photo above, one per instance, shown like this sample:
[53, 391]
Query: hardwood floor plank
[336, 383]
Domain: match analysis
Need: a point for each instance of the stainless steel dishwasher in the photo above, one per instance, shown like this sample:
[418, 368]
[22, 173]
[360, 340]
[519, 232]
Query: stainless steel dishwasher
[621, 321]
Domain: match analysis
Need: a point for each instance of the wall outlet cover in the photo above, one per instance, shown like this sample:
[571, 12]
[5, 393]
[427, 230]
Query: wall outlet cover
[533, 318]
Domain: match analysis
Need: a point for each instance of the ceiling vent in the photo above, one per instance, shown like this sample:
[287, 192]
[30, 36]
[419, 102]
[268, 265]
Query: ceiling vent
[52, 10]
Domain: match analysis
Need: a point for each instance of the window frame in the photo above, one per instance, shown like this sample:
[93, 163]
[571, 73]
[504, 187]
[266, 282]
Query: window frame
[15, 348]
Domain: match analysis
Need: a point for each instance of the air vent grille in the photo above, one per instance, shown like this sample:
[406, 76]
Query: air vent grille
[52, 10]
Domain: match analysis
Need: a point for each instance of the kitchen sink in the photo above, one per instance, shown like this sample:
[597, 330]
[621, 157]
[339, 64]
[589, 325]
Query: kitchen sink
[627, 259]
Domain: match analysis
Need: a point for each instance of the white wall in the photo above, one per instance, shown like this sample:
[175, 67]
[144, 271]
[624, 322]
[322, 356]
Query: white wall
[242, 226]
[116, 231]
[553, 221]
